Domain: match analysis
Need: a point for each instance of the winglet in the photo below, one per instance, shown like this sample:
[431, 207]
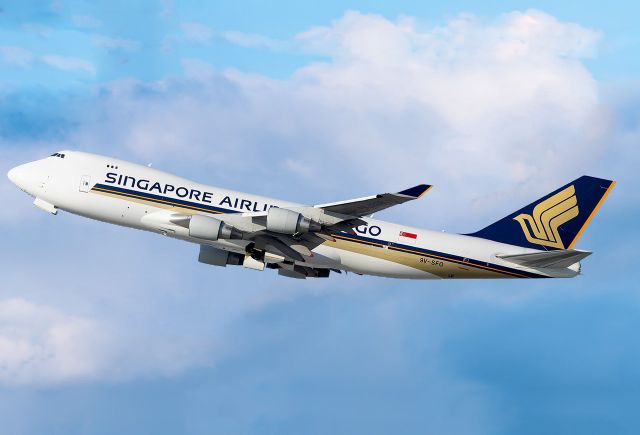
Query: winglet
[416, 191]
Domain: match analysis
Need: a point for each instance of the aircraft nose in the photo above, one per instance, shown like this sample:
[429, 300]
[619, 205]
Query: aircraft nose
[14, 175]
[24, 177]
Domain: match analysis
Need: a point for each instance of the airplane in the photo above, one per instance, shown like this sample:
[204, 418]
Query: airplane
[306, 241]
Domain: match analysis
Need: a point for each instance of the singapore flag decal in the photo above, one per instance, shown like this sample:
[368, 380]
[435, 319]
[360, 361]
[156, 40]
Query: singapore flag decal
[408, 235]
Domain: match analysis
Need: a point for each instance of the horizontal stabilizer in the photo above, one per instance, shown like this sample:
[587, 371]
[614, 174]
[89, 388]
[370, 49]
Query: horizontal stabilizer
[547, 259]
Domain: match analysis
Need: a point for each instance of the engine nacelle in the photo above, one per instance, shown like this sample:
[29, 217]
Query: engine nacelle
[281, 220]
[207, 228]
[218, 257]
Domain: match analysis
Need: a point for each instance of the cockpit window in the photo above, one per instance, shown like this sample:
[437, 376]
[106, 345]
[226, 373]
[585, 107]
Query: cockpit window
[58, 155]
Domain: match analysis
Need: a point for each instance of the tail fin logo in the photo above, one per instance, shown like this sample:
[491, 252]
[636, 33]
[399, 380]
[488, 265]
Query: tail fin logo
[541, 227]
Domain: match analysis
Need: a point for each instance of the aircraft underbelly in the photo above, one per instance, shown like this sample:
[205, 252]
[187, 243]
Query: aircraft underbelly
[396, 262]
[365, 264]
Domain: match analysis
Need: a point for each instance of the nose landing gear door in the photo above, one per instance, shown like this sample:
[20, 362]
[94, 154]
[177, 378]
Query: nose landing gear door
[85, 183]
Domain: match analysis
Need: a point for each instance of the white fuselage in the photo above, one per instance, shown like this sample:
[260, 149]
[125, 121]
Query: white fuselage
[136, 196]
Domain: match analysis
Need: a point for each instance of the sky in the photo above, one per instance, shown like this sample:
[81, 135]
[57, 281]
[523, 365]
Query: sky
[105, 329]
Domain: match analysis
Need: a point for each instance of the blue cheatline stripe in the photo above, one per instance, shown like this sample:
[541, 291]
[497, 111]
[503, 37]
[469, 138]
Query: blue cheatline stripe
[440, 255]
[159, 199]
[165, 200]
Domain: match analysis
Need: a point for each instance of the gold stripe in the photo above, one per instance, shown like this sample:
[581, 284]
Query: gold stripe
[573, 242]
[422, 254]
[453, 260]
[350, 239]
[131, 195]
[428, 189]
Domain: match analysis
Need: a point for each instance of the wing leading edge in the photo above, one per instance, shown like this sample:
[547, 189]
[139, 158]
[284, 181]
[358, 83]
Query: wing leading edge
[368, 205]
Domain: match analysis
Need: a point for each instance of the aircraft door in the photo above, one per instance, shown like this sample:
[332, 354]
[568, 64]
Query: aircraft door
[85, 183]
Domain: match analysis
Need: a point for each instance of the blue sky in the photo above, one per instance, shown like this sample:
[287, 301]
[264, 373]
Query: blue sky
[104, 329]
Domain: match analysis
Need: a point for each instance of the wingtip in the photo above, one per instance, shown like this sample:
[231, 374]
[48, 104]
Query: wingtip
[416, 191]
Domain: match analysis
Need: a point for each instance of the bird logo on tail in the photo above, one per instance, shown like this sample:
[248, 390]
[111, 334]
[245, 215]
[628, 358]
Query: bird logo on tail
[541, 227]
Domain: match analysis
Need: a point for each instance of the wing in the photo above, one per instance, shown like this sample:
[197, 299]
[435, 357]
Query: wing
[249, 232]
[368, 205]
[342, 216]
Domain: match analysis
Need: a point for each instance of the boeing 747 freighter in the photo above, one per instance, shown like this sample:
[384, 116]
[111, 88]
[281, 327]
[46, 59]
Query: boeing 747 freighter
[303, 241]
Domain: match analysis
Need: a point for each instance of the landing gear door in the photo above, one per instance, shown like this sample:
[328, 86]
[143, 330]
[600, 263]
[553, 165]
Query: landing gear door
[85, 183]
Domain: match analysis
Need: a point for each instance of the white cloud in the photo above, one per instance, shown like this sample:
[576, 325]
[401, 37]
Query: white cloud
[529, 34]
[497, 93]
[23, 57]
[166, 8]
[86, 21]
[299, 168]
[502, 106]
[39, 343]
[37, 29]
[197, 32]
[115, 43]
[255, 40]
[16, 55]
[20, 56]
[506, 101]
[197, 69]
[68, 63]
[42, 345]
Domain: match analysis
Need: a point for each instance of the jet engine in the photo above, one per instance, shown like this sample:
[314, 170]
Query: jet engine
[204, 227]
[281, 220]
[218, 257]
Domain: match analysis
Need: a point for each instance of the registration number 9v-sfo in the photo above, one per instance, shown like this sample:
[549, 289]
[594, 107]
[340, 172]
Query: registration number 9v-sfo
[431, 262]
